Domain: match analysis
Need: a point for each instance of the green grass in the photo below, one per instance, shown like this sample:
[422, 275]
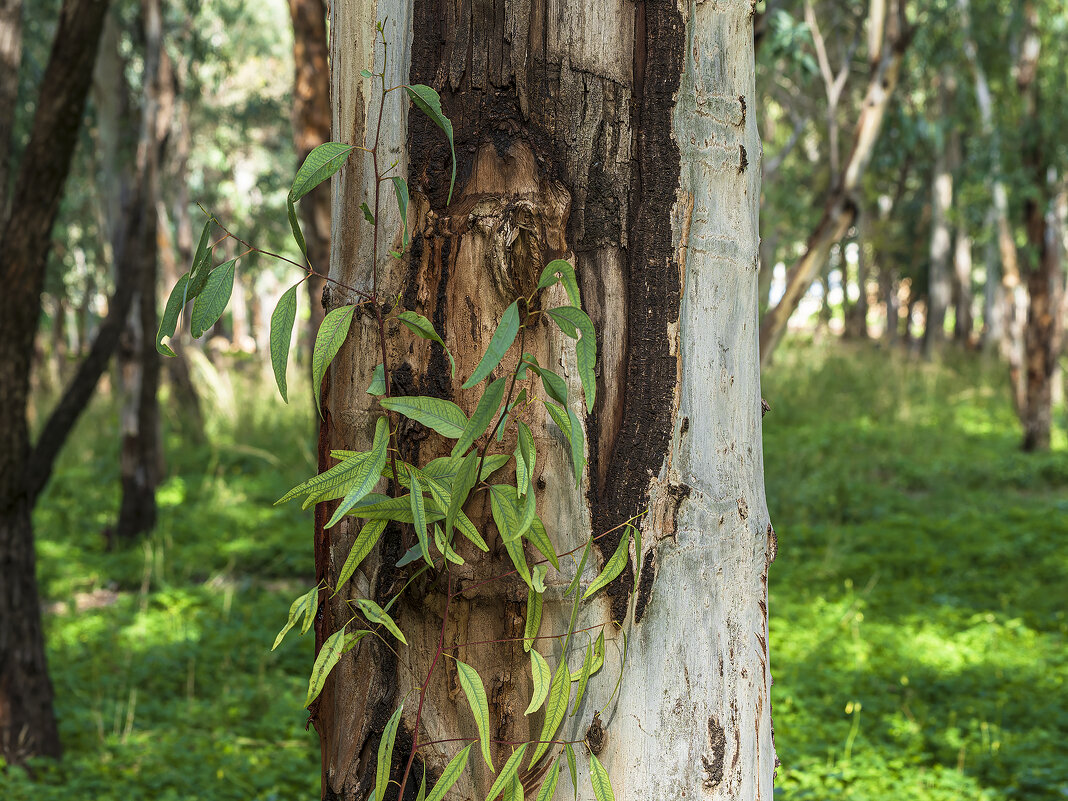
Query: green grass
[918, 604]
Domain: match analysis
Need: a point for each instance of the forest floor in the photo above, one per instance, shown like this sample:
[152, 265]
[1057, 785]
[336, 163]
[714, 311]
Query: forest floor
[918, 615]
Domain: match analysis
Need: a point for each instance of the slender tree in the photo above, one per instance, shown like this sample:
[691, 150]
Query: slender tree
[27, 721]
[622, 138]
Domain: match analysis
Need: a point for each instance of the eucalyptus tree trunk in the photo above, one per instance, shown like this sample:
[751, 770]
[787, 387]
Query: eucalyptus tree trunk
[888, 36]
[939, 277]
[620, 136]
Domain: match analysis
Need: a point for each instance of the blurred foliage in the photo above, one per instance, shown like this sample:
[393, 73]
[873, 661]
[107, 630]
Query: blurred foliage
[918, 624]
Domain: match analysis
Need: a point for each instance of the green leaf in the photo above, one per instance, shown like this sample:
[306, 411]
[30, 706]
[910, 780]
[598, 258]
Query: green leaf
[453, 771]
[467, 528]
[378, 381]
[462, 482]
[367, 474]
[438, 491]
[321, 163]
[612, 568]
[555, 387]
[429, 102]
[198, 273]
[333, 331]
[168, 324]
[443, 416]
[533, 618]
[376, 614]
[598, 660]
[508, 772]
[572, 767]
[539, 670]
[602, 788]
[548, 787]
[537, 578]
[211, 302]
[385, 753]
[578, 447]
[328, 656]
[281, 334]
[365, 73]
[424, 328]
[337, 476]
[367, 539]
[514, 790]
[476, 699]
[506, 517]
[444, 548]
[574, 585]
[573, 322]
[539, 538]
[500, 342]
[584, 676]
[422, 786]
[400, 189]
[566, 277]
[529, 455]
[493, 463]
[352, 640]
[294, 226]
[367, 213]
[304, 605]
[480, 421]
[555, 709]
[415, 498]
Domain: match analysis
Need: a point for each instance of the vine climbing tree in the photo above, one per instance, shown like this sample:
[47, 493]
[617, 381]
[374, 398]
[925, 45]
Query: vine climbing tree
[541, 538]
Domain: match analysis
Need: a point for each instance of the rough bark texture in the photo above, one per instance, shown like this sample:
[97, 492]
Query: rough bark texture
[311, 127]
[614, 134]
[10, 56]
[27, 722]
[841, 208]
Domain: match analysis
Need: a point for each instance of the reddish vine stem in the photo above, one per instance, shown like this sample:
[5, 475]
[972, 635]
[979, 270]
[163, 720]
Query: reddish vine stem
[430, 673]
[501, 742]
[519, 639]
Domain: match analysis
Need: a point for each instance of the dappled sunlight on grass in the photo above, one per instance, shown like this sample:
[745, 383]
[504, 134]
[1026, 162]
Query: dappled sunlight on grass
[918, 624]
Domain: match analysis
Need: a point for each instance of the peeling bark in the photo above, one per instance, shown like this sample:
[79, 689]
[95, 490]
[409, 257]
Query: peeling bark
[614, 134]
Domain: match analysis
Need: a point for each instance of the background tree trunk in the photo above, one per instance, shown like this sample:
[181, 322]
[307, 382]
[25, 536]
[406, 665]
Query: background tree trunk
[566, 127]
[939, 276]
[311, 127]
[27, 721]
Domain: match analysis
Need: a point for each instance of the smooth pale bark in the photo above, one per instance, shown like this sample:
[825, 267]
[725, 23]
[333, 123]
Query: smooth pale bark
[939, 277]
[962, 274]
[569, 123]
[840, 210]
[27, 720]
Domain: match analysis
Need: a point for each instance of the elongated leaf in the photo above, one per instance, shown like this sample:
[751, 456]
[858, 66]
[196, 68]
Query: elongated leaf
[572, 767]
[506, 518]
[533, 623]
[168, 323]
[378, 507]
[493, 463]
[365, 541]
[539, 538]
[514, 790]
[294, 226]
[576, 324]
[539, 670]
[367, 474]
[415, 498]
[471, 683]
[367, 215]
[566, 276]
[328, 656]
[500, 342]
[281, 335]
[424, 328]
[561, 418]
[333, 331]
[462, 482]
[555, 387]
[444, 548]
[467, 528]
[438, 491]
[598, 660]
[453, 771]
[548, 787]
[555, 709]
[443, 416]
[574, 585]
[385, 753]
[211, 302]
[537, 578]
[487, 408]
[400, 189]
[304, 605]
[602, 788]
[584, 677]
[352, 640]
[578, 447]
[376, 614]
[429, 102]
[337, 476]
[421, 796]
[527, 453]
[378, 381]
[612, 568]
[508, 772]
[321, 163]
[198, 273]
